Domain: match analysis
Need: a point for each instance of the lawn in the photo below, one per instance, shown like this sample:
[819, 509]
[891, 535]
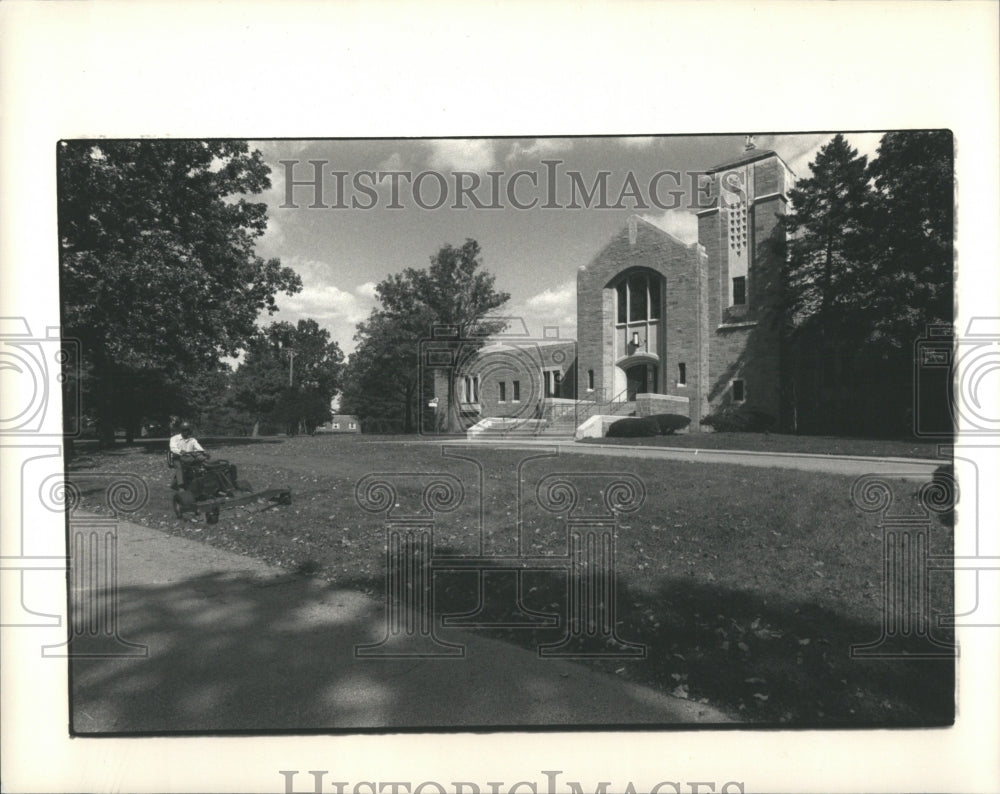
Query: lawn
[783, 442]
[747, 586]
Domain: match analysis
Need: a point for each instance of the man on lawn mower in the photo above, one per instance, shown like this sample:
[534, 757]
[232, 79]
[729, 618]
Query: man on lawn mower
[192, 457]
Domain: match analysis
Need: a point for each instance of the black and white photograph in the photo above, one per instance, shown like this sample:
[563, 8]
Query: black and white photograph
[512, 432]
[518, 436]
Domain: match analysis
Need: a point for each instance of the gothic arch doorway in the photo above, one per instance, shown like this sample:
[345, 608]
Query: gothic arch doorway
[640, 379]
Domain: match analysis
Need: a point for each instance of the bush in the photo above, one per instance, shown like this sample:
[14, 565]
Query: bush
[668, 423]
[739, 420]
[634, 428]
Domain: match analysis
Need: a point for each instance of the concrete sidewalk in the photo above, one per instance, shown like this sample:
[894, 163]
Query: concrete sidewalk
[853, 465]
[235, 644]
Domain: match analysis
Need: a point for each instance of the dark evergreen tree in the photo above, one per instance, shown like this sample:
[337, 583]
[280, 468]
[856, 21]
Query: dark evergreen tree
[869, 267]
[912, 236]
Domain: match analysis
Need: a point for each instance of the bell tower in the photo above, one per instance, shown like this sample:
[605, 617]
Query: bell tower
[741, 233]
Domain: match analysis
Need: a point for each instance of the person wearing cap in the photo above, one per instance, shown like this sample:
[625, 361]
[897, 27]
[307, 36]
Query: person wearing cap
[185, 447]
[184, 443]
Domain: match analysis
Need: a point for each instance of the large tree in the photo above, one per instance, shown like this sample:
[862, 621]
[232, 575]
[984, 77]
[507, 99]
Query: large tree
[290, 375]
[452, 291]
[912, 231]
[827, 227]
[869, 267]
[381, 380]
[159, 276]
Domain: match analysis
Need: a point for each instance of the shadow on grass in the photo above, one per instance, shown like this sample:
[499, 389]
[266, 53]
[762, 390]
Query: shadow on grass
[857, 446]
[237, 653]
[244, 653]
[765, 661]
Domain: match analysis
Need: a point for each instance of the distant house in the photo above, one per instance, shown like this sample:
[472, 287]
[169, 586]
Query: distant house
[341, 423]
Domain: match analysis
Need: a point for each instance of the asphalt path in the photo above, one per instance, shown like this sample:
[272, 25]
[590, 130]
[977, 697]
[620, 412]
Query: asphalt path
[234, 644]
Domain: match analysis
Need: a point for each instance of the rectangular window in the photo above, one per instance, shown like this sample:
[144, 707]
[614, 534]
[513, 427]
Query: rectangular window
[682, 376]
[637, 288]
[503, 392]
[622, 302]
[336, 425]
[654, 301]
[740, 291]
[353, 426]
[470, 392]
[517, 390]
[739, 391]
[553, 378]
[590, 380]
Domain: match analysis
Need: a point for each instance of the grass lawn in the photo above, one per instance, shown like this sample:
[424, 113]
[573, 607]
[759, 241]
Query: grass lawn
[747, 586]
[781, 442]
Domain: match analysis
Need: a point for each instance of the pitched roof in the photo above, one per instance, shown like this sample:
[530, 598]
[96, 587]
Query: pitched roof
[747, 157]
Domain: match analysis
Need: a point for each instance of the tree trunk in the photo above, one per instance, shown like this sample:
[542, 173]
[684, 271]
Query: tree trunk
[256, 428]
[105, 404]
[408, 410]
[451, 406]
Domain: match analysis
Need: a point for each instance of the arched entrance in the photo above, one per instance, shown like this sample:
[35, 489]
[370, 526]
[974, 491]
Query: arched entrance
[640, 379]
[639, 335]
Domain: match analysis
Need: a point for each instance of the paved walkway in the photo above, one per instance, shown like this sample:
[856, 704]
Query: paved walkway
[830, 464]
[235, 644]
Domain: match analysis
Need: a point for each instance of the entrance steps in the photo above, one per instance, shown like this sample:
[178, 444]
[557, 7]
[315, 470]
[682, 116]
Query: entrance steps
[561, 422]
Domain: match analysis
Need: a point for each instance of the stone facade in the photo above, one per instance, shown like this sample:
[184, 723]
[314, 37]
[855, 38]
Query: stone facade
[687, 324]
[513, 379]
[742, 344]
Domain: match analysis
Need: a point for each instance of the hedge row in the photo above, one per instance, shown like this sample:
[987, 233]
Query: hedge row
[656, 425]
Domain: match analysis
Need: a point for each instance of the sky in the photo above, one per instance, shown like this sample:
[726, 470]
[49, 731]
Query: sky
[354, 230]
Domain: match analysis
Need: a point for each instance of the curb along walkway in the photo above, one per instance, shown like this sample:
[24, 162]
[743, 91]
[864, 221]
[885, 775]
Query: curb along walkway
[236, 644]
[830, 464]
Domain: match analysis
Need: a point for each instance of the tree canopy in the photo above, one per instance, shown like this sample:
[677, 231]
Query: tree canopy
[453, 290]
[159, 276]
[869, 268]
[289, 376]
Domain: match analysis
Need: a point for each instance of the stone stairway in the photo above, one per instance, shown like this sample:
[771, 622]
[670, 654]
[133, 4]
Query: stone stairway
[556, 424]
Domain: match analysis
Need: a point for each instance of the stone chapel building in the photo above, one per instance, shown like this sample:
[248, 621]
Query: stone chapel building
[662, 326]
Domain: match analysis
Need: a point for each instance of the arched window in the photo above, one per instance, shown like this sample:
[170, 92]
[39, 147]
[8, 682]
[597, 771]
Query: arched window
[638, 298]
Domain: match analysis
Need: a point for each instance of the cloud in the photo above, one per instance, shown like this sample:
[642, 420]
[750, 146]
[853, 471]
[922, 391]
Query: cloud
[335, 309]
[865, 142]
[638, 141]
[472, 154]
[274, 235]
[539, 147]
[325, 302]
[554, 298]
[555, 306]
[681, 224]
[800, 150]
[394, 162]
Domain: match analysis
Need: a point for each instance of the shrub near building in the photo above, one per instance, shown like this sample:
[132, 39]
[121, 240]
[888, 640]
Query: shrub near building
[639, 427]
[668, 424]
